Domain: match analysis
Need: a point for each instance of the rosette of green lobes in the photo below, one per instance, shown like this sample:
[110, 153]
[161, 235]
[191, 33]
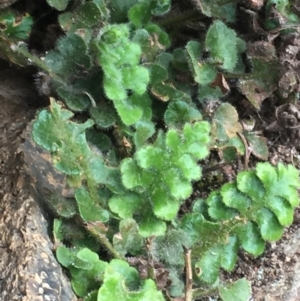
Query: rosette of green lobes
[119, 58]
[247, 213]
[265, 198]
[161, 174]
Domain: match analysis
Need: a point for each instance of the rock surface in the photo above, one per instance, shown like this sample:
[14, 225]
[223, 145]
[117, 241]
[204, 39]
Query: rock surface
[28, 268]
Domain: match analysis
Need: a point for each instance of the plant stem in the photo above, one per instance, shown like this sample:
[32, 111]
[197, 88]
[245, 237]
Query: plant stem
[37, 62]
[106, 243]
[103, 241]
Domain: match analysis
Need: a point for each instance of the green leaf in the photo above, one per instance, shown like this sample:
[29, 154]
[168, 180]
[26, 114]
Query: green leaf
[288, 176]
[204, 73]
[115, 33]
[130, 173]
[64, 207]
[166, 91]
[280, 183]
[289, 171]
[96, 170]
[261, 83]
[136, 78]
[207, 93]
[180, 189]
[83, 285]
[238, 291]
[169, 248]
[179, 60]
[89, 210]
[87, 255]
[151, 225]
[74, 49]
[92, 296]
[128, 240]
[164, 59]
[75, 102]
[131, 54]
[221, 41]
[104, 116]
[86, 270]
[58, 4]
[209, 265]
[177, 286]
[282, 209]
[118, 9]
[144, 102]
[129, 273]
[113, 288]
[15, 29]
[218, 9]
[89, 14]
[190, 170]
[226, 122]
[161, 7]
[98, 142]
[258, 146]
[129, 114]
[126, 205]
[65, 256]
[144, 130]
[157, 73]
[163, 206]
[162, 39]
[67, 141]
[114, 90]
[57, 232]
[270, 228]
[150, 156]
[234, 198]
[249, 183]
[198, 229]
[173, 141]
[217, 209]
[181, 112]
[267, 174]
[229, 253]
[251, 239]
[84, 17]
[140, 14]
[196, 139]
[45, 121]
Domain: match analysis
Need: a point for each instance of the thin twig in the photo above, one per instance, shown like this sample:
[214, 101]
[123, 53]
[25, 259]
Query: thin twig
[247, 152]
[189, 277]
[102, 239]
